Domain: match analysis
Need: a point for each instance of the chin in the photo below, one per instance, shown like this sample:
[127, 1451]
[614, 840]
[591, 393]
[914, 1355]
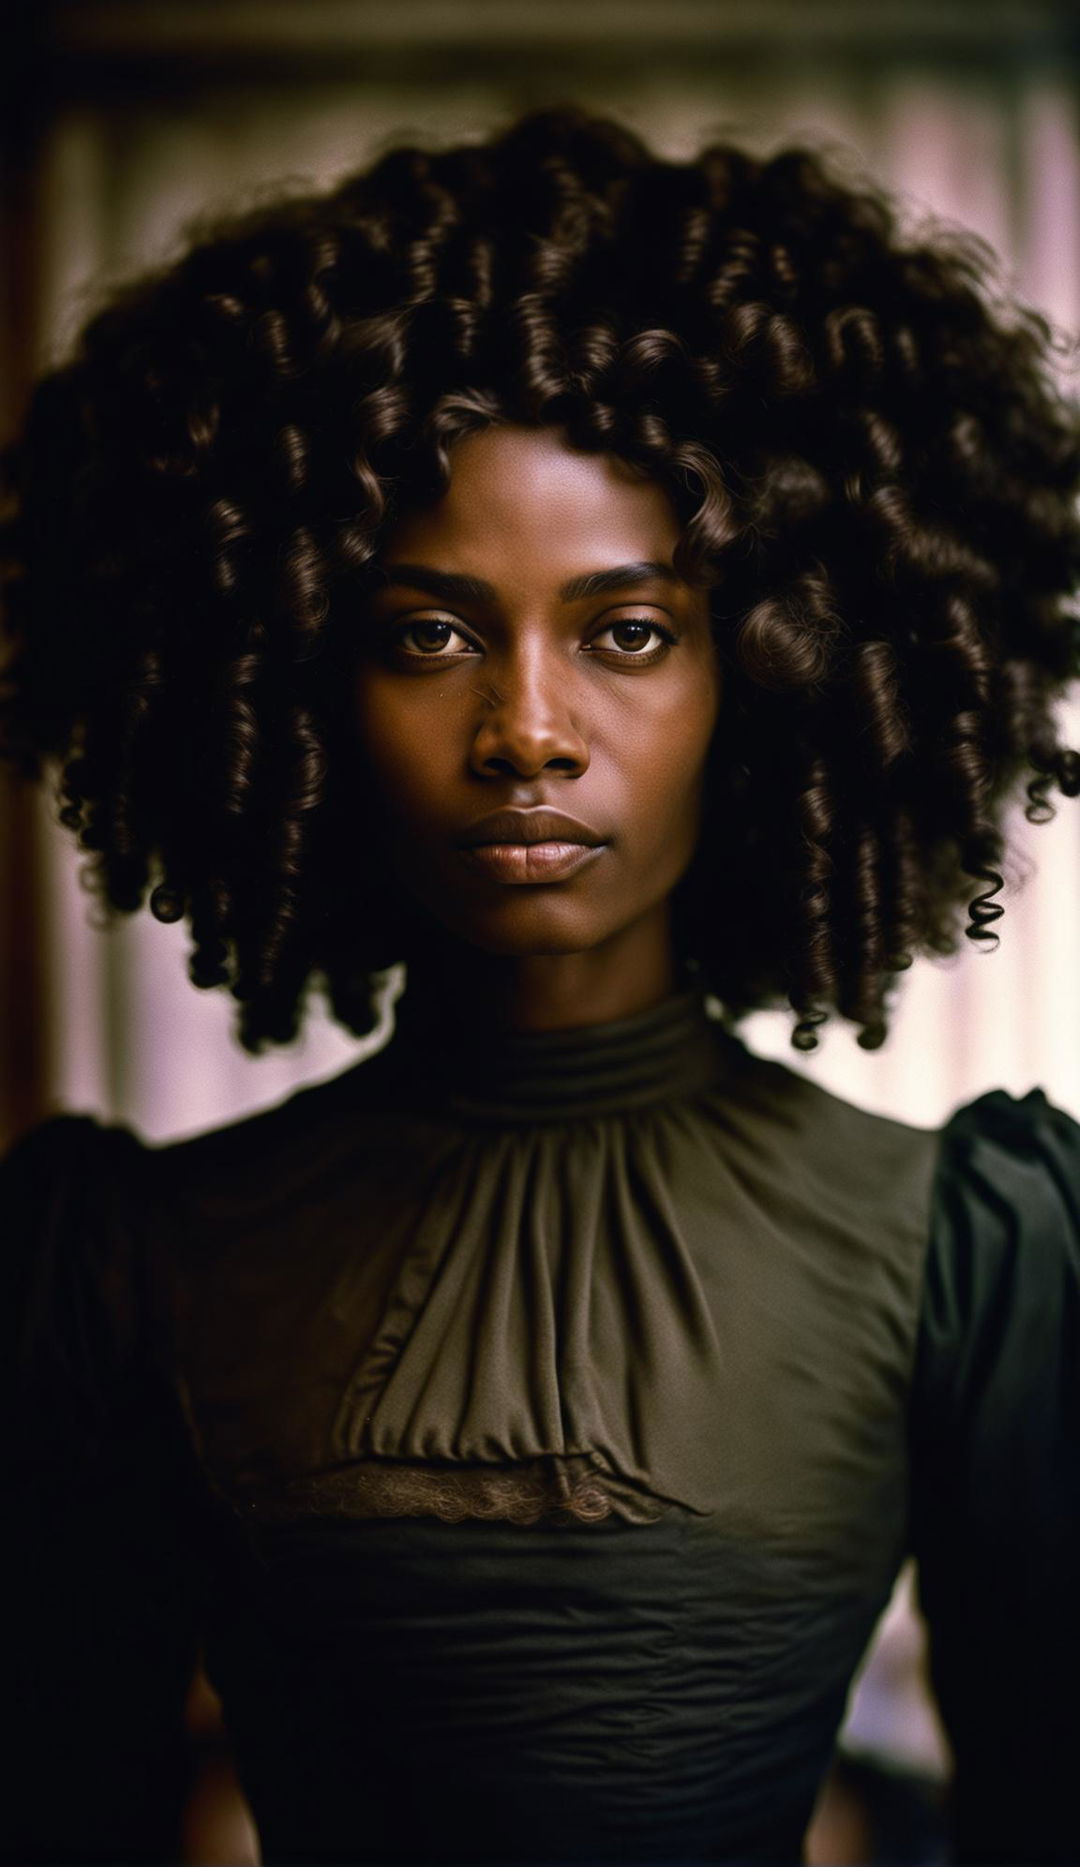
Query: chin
[533, 929]
[532, 949]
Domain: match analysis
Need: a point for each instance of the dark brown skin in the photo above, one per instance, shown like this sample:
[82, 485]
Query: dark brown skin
[525, 695]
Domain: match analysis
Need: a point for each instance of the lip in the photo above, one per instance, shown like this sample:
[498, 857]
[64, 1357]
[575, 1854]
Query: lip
[529, 827]
[530, 845]
[531, 862]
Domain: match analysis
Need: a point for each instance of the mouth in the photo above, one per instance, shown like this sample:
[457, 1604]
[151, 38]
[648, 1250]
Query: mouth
[530, 846]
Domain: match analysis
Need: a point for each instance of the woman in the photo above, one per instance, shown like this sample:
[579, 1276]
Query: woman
[603, 585]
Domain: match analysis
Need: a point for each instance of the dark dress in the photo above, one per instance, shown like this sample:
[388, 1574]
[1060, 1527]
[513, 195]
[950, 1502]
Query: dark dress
[531, 1441]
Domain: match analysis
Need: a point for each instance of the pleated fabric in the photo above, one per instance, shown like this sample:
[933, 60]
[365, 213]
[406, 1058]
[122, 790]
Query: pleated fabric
[629, 1252]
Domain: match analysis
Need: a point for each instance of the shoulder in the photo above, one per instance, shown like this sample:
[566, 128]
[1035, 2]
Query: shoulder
[1002, 1285]
[78, 1190]
[840, 1151]
[71, 1200]
[63, 1144]
[70, 1167]
[1006, 1209]
[280, 1152]
[997, 1126]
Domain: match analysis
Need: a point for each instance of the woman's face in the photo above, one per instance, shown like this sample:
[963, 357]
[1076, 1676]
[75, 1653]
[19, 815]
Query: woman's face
[529, 649]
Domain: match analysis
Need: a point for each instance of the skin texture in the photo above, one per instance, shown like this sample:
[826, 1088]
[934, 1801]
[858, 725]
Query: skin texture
[523, 695]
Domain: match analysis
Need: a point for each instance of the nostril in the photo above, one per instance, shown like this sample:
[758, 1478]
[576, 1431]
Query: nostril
[527, 768]
[526, 747]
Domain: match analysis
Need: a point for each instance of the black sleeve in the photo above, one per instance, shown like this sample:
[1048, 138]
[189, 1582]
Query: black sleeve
[100, 1604]
[996, 1474]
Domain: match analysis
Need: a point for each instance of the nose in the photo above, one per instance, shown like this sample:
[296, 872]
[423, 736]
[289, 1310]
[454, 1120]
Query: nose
[527, 725]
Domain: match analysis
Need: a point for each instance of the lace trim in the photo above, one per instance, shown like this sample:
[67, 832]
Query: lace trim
[566, 1488]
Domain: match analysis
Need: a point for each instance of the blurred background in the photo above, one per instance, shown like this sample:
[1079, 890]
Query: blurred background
[122, 121]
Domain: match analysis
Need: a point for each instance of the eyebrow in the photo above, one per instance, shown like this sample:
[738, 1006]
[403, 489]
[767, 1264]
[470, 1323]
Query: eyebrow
[452, 586]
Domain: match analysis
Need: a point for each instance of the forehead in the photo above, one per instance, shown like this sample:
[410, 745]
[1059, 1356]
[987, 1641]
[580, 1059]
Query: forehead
[520, 500]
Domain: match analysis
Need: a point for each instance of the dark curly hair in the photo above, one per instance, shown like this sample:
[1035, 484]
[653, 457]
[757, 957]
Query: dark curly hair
[873, 468]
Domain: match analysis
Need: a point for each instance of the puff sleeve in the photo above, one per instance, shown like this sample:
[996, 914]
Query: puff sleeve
[101, 1614]
[996, 1474]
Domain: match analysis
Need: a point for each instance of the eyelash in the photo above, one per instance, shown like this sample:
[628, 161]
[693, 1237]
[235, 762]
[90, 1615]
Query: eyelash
[639, 658]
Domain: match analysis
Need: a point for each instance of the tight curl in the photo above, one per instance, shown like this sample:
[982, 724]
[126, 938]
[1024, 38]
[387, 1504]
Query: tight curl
[872, 466]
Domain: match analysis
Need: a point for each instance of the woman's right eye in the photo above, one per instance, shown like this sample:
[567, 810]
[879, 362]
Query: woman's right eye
[429, 638]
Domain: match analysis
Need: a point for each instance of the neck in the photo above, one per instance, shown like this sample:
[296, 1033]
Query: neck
[452, 984]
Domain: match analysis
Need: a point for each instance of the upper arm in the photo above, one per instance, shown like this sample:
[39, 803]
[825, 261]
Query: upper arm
[996, 1473]
[101, 1626]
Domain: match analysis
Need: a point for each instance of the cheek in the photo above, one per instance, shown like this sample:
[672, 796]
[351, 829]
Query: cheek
[402, 751]
[668, 765]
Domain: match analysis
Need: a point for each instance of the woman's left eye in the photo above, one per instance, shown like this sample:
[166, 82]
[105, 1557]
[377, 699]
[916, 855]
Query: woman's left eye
[632, 637]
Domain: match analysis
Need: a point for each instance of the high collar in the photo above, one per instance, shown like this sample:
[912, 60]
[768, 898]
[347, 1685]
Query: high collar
[673, 1049]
